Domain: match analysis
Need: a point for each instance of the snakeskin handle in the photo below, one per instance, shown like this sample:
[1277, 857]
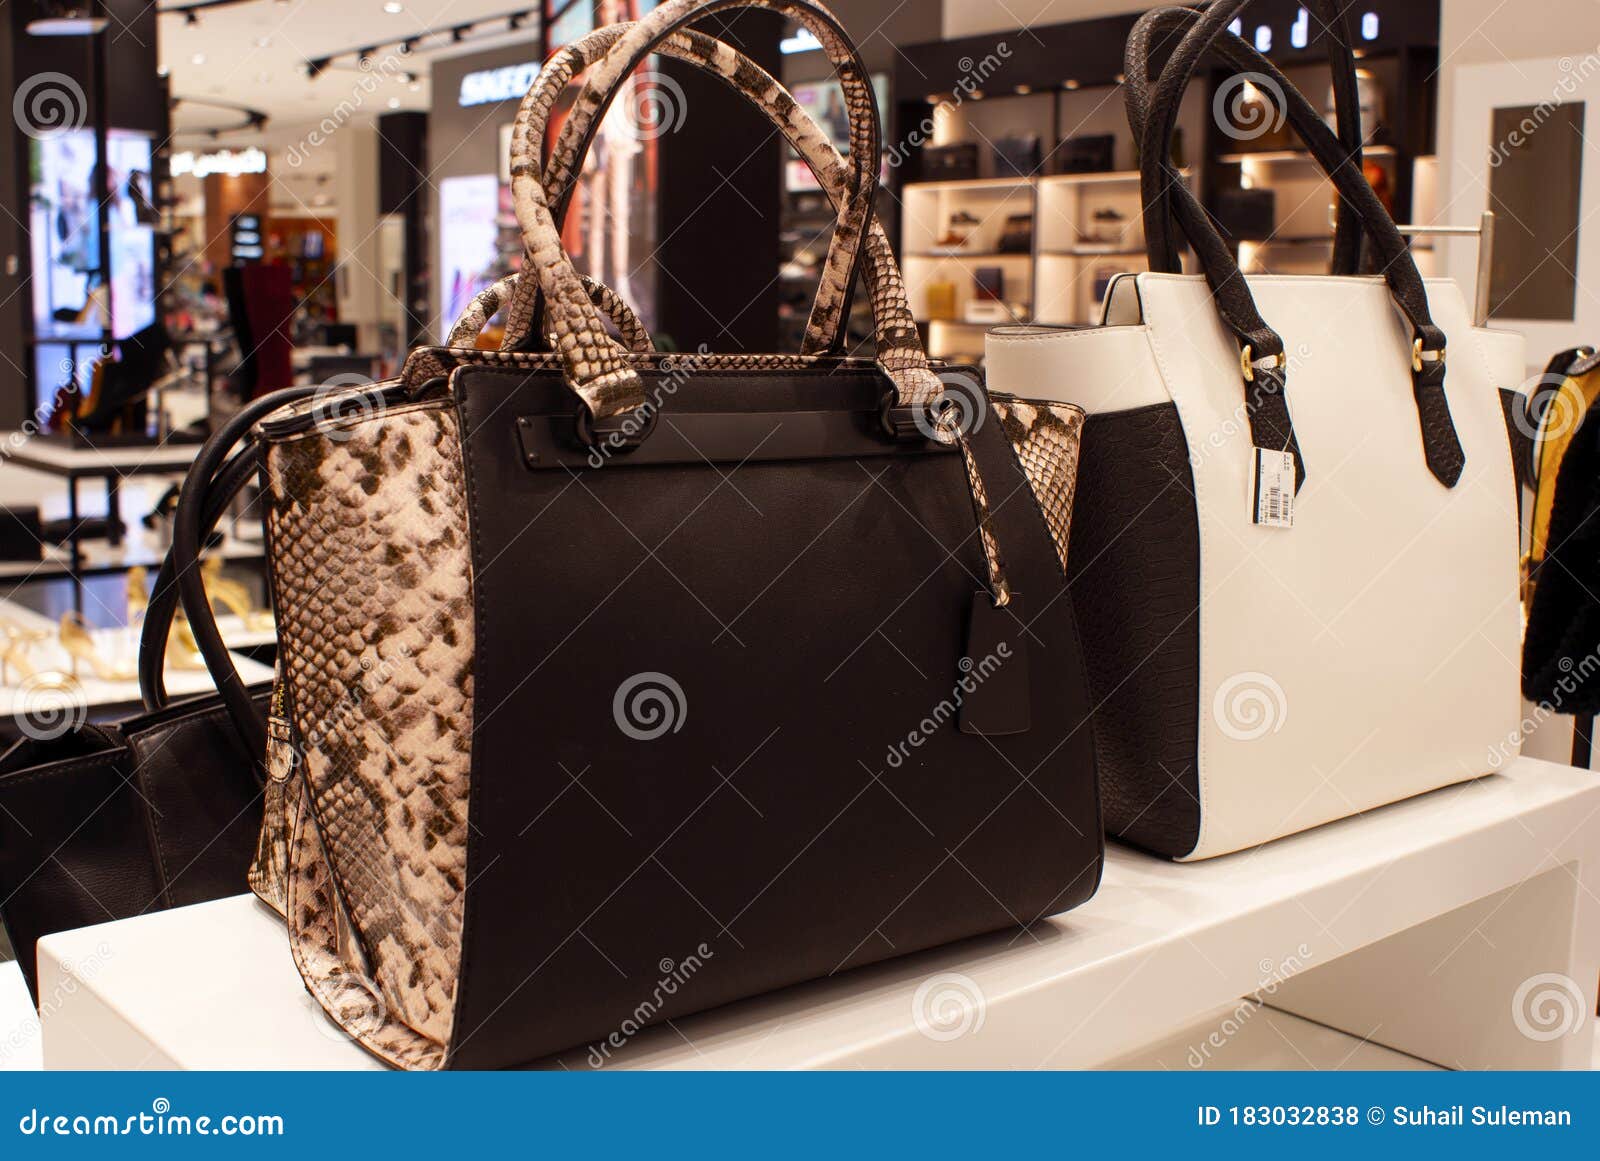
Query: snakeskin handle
[487, 303]
[595, 366]
[900, 350]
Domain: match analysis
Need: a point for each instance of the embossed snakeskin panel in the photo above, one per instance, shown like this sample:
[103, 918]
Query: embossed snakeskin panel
[328, 953]
[1048, 437]
[269, 872]
[371, 579]
[1135, 582]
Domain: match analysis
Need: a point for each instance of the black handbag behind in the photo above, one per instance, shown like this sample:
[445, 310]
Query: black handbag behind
[110, 821]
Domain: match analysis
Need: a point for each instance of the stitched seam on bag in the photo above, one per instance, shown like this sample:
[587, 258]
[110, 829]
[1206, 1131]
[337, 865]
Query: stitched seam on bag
[1199, 596]
[480, 621]
[1074, 333]
[44, 774]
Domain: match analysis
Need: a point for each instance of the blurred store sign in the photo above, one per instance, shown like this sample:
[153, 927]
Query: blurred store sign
[491, 85]
[225, 161]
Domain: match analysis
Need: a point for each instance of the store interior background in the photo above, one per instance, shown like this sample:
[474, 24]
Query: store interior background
[360, 146]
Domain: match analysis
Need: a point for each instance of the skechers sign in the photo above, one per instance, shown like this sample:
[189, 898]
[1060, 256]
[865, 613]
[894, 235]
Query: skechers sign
[508, 84]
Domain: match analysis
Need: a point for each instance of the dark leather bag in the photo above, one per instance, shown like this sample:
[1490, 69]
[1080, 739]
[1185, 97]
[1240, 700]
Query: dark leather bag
[673, 669]
[110, 821]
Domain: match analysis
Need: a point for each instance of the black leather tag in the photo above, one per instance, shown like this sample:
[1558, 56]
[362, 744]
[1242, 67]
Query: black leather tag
[994, 673]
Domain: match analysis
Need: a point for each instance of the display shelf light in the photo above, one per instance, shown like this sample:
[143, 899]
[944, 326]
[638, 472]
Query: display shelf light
[65, 18]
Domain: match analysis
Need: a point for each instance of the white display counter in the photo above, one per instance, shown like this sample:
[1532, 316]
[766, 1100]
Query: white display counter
[1461, 928]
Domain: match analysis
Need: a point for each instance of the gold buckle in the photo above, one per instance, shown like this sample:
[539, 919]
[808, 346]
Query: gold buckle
[1416, 355]
[1247, 364]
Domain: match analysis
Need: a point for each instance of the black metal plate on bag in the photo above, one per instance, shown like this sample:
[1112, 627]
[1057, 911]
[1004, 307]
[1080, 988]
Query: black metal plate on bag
[551, 441]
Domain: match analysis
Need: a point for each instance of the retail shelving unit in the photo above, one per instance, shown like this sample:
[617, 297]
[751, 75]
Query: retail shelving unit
[1434, 927]
[1086, 228]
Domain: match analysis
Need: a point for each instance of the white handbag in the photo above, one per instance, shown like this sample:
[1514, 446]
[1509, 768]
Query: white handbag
[1294, 561]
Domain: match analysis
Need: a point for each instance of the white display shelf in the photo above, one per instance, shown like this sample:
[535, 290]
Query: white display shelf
[1252, 1036]
[1414, 927]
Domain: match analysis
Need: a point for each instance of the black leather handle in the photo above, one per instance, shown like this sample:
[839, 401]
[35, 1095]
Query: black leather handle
[1270, 422]
[1148, 38]
[858, 203]
[204, 495]
[163, 607]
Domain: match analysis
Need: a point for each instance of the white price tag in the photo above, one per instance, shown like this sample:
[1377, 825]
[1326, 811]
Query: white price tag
[1272, 489]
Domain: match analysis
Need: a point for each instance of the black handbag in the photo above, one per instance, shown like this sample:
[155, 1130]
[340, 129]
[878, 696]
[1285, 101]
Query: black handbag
[1017, 155]
[958, 162]
[1088, 153]
[702, 675]
[109, 821]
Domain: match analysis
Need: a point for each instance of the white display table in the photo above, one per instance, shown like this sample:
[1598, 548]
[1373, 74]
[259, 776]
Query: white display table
[21, 1046]
[1461, 927]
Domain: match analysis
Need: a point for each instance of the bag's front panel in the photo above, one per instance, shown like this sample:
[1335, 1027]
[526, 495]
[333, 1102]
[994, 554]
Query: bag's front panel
[716, 749]
[1370, 652]
[372, 583]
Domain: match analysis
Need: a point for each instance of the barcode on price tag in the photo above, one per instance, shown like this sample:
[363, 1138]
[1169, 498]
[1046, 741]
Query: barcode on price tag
[1272, 489]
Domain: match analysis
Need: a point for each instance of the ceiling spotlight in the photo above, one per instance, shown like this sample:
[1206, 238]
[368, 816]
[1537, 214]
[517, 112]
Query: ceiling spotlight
[64, 18]
[1072, 84]
[394, 8]
[459, 32]
[264, 42]
[407, 46]
[314, 68]
[192, 18]
[364, 58]
[198, 58]
[394, 102]
[514, 21]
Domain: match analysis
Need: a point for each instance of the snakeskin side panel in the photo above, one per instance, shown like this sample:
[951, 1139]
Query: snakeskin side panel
[371, 578]
[1048, 437]
[328, 952]
[269, 872]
